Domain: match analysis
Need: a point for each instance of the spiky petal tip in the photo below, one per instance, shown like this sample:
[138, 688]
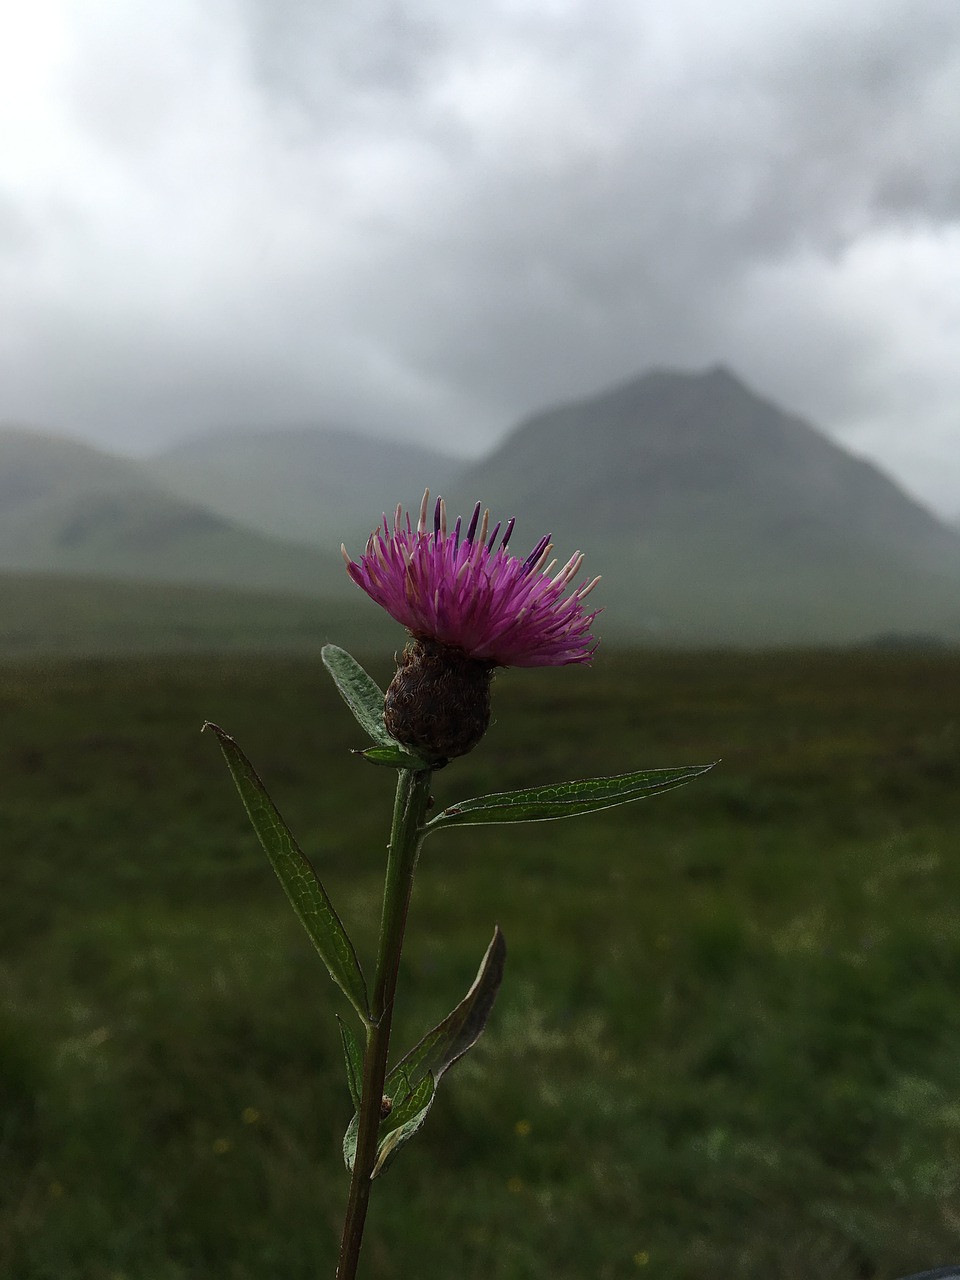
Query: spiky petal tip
[465, 589]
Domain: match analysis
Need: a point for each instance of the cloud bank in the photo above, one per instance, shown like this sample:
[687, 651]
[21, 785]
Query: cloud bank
[416, 218]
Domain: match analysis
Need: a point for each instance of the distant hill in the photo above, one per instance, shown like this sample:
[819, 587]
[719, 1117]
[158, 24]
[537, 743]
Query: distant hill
[68, 508]
[319, 487]
[714, 515]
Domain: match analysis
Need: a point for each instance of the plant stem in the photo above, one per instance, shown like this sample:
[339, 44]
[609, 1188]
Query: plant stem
[409, 812]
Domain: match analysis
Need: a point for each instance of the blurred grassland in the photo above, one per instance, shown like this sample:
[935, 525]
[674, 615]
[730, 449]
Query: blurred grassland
[728, 1043]
[72, 616]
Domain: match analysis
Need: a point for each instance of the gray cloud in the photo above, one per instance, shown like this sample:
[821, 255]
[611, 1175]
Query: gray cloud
[428, 219]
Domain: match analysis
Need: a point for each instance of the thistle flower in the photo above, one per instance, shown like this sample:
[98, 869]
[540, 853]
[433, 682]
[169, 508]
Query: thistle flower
[466, 591]
[470, 606]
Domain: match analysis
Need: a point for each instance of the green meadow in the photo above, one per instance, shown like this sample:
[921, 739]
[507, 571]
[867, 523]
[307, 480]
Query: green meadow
[728, 1042]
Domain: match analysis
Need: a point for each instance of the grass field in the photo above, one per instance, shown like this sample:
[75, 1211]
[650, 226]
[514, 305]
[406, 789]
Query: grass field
[73, 616]
[728, 1043]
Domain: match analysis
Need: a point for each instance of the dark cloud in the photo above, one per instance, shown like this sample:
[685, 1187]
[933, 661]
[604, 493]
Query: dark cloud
[433, 219]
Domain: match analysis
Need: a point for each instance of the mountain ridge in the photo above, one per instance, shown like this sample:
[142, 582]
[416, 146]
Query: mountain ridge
[304, 484]
[713, 514]
[668, 435]
[68, 507]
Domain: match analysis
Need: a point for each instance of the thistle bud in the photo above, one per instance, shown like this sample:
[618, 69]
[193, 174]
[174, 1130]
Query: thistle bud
[439, 700]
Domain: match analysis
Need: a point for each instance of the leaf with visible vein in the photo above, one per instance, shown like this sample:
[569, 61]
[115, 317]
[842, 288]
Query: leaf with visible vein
[353, 1056]
[364, 697]
[461, 1029]
[413, 1081]
[296, 874]
[394, 757]
[409, 1112]
[563, 799]
[350, 1143]
[359, 691]
[411, 1116]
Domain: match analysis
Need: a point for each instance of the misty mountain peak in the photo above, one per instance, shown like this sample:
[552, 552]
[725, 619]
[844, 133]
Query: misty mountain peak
[710, 511]
[693, 457]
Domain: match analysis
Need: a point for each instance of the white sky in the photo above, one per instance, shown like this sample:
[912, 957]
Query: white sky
[424, 218]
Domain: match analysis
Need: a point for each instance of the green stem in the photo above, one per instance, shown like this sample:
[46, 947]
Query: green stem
[406, 835]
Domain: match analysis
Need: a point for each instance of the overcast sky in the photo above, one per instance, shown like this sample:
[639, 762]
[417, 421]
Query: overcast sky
[424, 217]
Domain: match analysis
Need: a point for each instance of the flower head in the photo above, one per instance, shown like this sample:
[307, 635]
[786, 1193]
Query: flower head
[465, 590]
[470, 606]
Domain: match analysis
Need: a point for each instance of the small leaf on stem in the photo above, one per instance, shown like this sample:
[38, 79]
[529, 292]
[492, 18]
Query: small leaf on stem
[296, 874]
[461, 1029]
[409, 1102]
[350, 1142]
[411, 1085]
[406, 1118]
[396, 757]
[359, 691]
[364, 697]
[408, 1111]
[563, 799]
[353, 1055]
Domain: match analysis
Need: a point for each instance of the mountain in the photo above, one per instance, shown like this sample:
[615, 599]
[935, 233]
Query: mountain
[66, 507]
[319, 487]
[714, 515]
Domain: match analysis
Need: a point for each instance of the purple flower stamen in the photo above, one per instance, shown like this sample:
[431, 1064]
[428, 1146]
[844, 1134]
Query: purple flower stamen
[473, 523]
[537, 554]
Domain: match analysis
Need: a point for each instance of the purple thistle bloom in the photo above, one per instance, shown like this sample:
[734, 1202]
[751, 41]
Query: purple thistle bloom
[467, 591]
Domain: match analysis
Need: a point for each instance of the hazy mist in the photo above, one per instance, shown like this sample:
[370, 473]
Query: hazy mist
[427, 220]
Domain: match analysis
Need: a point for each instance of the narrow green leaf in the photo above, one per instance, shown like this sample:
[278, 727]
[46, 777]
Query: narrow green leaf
[395, 757]
[364, 697]
[409, 1110]
[412, 1083]
[359, 691]
[563, 799]
[353, 1055]
[409, 1102]
[412, 1113]
[350, 1142]
[461, 1029]
[296, 874]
